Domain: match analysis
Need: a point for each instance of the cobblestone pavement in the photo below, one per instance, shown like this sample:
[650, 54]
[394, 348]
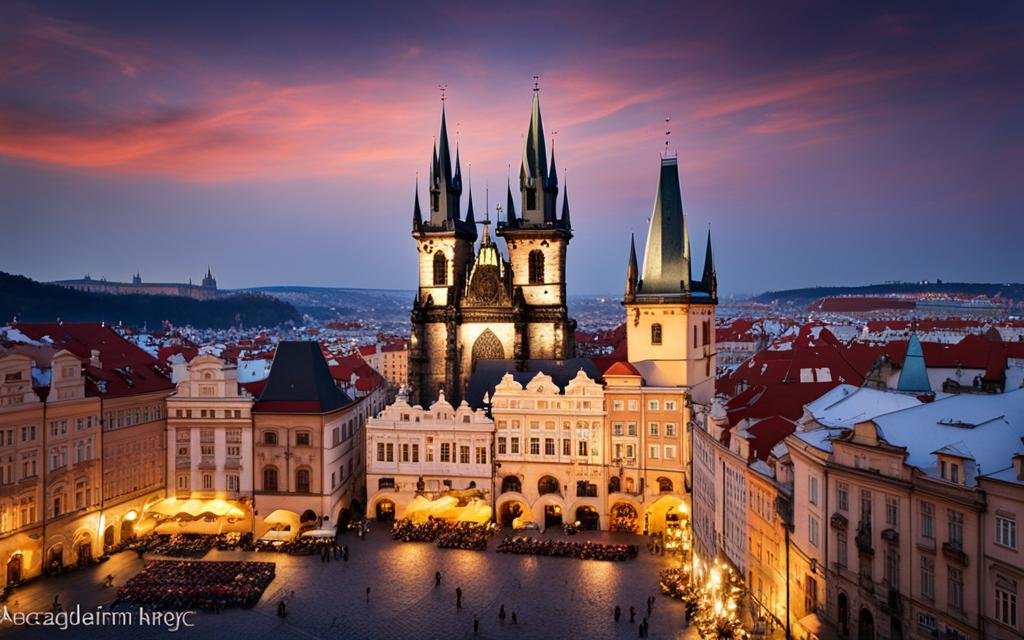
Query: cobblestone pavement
[553, 597]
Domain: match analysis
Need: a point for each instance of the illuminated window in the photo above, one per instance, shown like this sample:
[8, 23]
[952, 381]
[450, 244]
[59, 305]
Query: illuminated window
[440, 269]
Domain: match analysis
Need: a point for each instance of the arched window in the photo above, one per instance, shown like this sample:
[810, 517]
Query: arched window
[656, 333]
[707, 332]
[269, 437]
[511, 483]
[694, 336]
[302, 480]
[536, 263]
[664, 485]
[547, 485]
[270, 479]
[440, 269]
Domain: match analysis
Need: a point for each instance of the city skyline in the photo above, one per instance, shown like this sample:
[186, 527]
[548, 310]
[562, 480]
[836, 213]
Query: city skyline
[807, 144]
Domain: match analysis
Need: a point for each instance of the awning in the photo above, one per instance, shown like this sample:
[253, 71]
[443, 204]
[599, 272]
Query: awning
[172, 507]
[203, 527]
[278, 535]
[319, 533]
[283, 517]
[810, 623]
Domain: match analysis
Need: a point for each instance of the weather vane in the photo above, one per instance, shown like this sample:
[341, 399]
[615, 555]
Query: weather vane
[668, 133]
[536, 83]
[443, 88]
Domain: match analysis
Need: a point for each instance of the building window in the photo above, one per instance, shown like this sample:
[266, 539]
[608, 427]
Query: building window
[581, 448]
[617, 429]
[956, 529]
[481, 455]
[549, 446]
[652, 405]
[892, 568]
[463, 454]
[566, 447]
[843, 496]
[927, 520]
[405, 453]
[270, 479]
[1006, 531]
[502, 446]
[956, 588]
[390, 452]
[415, 453]
[928, 577]
[670, 405]
[841, 551]
[302, 439]
[631, 429]
[892, 512]
[207, 481]
[514, 446]
[1006, 606]
[655, 333]
[269, 437]
[232, 481]
[531, 200]
[534, 446]
[812, 530]
[440, 269]
[302, 480]
[536, 266]
[652, 428]
[865, 506]
[654, 452]
[670, 428]
[813, 489]
[446, 452]
[183, 481]
[670, 452]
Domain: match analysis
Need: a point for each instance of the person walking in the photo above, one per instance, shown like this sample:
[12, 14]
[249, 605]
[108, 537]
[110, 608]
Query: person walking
[476, 625]
[458, 597]
[515, 618]
[281, 611]
[632, 614]
[501, 614]
[618, 613]
[650, 604]
[367, 594]
[344, 553]
[437, 578]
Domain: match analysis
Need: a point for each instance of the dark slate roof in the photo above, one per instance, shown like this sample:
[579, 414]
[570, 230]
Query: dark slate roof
[300, 382]
[666, 268]
[490, 372]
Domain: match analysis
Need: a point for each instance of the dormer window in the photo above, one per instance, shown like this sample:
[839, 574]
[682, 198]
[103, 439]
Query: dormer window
[950, 470]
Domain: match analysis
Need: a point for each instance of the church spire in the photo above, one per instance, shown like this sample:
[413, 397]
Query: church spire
[631, 269]
[666, 268]
[445, 187]
[709, 281]
[470, 217]
[417, 215]
[510, 207]
[566, 224]
[535, 183]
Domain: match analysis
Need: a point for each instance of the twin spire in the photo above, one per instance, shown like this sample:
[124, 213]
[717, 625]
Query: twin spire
[538, 183]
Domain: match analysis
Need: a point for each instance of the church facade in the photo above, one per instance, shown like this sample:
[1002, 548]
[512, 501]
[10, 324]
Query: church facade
[479, 303]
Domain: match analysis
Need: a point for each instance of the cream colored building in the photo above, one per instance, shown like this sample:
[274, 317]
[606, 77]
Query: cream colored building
[209, 435]
[412, 451]
[550, 451]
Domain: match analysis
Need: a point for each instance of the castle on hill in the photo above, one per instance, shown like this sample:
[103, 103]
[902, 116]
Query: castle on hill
[207, 290]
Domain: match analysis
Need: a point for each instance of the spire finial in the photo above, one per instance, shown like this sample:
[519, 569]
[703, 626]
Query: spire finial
[536, 83]
[668, 133]
[443, 88]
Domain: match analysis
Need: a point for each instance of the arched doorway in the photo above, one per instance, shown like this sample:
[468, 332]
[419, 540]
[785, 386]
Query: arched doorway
[614, 484]
[865, 626]
[14, 569]
[308, 516]
[385, 511]
[511, 483]
[664, 485]
[487, 347]
[548, 484]
[127, 530]
[108, 537]
[509, 512]
[83, 552]
[589, 518]
[55, 559]
[844, 614]
[624, 517]
[552, 515]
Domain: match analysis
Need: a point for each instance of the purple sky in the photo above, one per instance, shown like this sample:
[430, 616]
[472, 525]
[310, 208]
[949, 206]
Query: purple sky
[825, 144]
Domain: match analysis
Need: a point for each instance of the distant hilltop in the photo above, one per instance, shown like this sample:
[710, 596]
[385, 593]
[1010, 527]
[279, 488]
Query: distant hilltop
[207, 290]
[928, 293]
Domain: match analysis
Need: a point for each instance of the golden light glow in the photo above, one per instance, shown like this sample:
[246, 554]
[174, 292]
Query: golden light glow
[131, 515]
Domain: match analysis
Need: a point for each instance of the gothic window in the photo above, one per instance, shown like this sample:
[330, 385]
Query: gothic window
[536, 266]
[655, 333]
[440, 269]
[706, 332]
[434, 200]
[487, 347]
[531, 199]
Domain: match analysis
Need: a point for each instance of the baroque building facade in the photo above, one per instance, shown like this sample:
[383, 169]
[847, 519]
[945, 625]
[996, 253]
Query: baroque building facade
[472, 306]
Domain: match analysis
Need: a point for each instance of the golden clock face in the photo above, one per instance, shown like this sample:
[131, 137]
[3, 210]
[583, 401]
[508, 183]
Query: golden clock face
[487, 286]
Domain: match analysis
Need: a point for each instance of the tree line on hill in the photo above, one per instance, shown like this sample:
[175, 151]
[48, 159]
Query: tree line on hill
[26, 300]
[1014, 291]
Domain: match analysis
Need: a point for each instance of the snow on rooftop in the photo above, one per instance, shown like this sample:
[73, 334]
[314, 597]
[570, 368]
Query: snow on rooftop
[846, 405]
[14, 335]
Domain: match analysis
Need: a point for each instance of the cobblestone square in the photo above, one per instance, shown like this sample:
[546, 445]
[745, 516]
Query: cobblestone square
[552, 597]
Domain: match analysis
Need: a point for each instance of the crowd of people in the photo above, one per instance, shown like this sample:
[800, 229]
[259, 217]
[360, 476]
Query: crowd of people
[526, 545]
[186, 584]
[181, 545]
[447, 535]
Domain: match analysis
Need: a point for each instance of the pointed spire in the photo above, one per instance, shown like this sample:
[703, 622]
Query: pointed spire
[434, 166]
[631, 269]
[470, 218]
[458, 166]
[510, 207]
[565, 206]
[553, 173]
[534, 154]
[709, 281]
[666, 268]
[417, 215]
[444, 153]
[914, 375]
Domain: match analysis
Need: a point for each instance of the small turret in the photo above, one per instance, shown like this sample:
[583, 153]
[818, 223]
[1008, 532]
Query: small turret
[565, 222]
[417, 214]
[709, 281]
[632, 273]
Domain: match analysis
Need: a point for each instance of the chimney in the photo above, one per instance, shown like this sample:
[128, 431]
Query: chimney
[1018, 465]
[94, 358]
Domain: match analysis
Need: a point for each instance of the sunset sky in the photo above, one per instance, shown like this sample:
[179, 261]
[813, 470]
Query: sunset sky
[824, 143]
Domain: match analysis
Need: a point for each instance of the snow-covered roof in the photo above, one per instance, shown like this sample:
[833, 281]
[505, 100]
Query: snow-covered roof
[846, 405]
[986, 428]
